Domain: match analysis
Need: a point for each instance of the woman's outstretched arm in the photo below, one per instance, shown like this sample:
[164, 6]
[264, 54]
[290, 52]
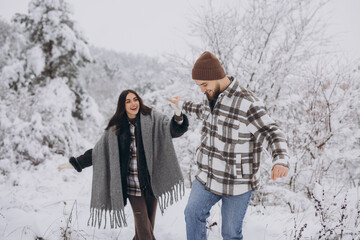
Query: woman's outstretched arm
[78, 163]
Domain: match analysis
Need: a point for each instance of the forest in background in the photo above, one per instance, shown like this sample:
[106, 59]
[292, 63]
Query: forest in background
[57, 93]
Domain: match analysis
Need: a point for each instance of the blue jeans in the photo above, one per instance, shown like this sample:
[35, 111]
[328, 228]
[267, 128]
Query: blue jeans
[198, 210]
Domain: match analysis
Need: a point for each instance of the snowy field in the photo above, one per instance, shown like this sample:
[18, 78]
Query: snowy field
[58, 90]
[47, 204]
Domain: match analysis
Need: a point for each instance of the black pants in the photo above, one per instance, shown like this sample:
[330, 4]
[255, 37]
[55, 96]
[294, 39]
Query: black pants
[144, 210]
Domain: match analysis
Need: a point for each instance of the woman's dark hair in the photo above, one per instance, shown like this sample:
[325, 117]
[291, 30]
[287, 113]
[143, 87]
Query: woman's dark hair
[120, 115]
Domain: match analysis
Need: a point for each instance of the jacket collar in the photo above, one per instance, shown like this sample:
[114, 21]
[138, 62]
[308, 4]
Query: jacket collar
[231, 89]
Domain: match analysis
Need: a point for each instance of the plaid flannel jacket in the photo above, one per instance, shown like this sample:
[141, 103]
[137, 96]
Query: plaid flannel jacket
[232, 138]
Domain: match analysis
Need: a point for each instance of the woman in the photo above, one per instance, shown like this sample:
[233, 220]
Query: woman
[134, 159]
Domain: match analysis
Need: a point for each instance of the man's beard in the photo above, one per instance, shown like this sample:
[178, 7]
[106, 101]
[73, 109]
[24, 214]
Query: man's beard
[215, 94]
[212, 97]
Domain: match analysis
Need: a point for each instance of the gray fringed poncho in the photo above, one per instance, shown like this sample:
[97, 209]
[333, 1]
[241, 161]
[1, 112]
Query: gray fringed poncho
[166, 178]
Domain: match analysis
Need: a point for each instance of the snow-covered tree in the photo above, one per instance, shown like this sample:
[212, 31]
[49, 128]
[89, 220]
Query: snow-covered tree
[261, 42]
[42, 101]
[56, 47]
[12, 57]
[56, 43]
[5, 31]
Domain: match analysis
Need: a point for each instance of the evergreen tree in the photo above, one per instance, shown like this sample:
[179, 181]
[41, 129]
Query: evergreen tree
[41, 98]
[56, 48]
[50, 28]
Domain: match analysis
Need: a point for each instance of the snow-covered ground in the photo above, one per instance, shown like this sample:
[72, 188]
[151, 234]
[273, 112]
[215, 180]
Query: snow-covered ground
[48, 204]
[42, 117]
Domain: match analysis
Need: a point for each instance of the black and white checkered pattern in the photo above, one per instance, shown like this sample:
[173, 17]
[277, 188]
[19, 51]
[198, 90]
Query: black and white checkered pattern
[232, 138]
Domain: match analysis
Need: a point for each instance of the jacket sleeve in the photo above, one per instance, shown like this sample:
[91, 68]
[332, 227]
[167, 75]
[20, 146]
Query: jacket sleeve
[177, 130]
[267, 132]
[192, 108]
[83, 161]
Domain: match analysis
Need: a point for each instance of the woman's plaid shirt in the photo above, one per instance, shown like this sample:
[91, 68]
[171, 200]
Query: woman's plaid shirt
[232, 138]
[133, 188]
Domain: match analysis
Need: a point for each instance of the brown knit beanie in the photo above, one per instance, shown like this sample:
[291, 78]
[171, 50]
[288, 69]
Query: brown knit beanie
[207, 67]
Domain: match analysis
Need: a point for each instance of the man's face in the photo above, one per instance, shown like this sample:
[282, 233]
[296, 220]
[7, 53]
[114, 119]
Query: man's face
[210, 88]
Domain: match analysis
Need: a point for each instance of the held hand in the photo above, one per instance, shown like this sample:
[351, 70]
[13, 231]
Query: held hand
[174, 102]
[63, 166]
[279, 171]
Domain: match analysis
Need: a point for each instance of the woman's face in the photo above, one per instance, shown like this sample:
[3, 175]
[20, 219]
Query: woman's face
[132, 105]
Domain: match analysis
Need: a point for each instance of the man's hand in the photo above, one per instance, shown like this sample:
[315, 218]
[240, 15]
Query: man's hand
[279, 171]
[174, 102]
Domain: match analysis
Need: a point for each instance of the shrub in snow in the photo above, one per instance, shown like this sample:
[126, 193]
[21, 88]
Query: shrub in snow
[36, 126]
[338, 215]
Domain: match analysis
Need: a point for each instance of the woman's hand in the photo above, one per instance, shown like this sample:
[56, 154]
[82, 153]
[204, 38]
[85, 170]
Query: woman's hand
[64, 165]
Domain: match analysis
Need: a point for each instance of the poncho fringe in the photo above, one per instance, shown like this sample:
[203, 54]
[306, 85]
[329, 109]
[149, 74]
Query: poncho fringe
[175, 194]
[117, 218]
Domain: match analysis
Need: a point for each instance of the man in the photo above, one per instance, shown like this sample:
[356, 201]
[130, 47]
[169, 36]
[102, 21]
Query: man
[235, 125]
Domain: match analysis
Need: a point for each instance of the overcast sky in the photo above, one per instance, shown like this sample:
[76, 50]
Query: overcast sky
[158, 26]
